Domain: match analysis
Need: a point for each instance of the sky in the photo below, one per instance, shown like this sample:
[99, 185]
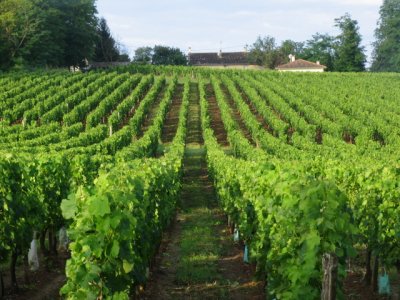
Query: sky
[230, 25]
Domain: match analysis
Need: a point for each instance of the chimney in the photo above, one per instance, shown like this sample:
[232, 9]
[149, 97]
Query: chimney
[293, 58]
[220, 53]
[190, 50]
[318, 63]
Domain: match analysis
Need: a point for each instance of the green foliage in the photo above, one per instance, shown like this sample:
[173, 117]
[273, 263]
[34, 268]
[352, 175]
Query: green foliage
[17, 25]
[317, 173]
[47, 32]
[343, 53]
[264, 52]
[53, 180]
[349, 54]
[288, 47]
[117, 223]
[106, 47]
[288, 219]
[321, 48]
[143, 55]
[386, 57]
[20, 204]
[80, 34]
[169, 56]
[160, 55]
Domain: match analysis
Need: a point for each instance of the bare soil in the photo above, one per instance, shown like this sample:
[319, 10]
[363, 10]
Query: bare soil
[148, 119]
[215, 118]
[43, 284]
[236, 115]
[172, 118]
[255, 112]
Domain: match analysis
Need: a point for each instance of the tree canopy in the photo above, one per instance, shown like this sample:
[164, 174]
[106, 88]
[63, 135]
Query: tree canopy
[163, 55]
[54, 33]
[386, 54]
[349, 54]
[107, 48]
[321, 47]
[17, 27]
[160, 55]
[342, 53]
[143, 55]
[264, 52]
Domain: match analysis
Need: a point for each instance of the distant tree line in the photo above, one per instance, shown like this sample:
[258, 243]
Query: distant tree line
[341, 53]
[58, 33]
[338, 53]
[54, 33]
[160, 55]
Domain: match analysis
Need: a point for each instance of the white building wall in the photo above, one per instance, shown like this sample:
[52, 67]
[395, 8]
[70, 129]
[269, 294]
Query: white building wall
[301, 70]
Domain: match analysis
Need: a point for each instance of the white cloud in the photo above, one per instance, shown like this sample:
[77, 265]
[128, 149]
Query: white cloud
[202, 25]
[358, 2]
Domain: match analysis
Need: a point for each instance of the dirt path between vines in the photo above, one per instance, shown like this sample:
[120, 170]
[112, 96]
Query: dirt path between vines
[197, 258]
[44, 284]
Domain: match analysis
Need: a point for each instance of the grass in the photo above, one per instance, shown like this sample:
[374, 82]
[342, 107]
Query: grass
[194, 264]
[199, 244]
[199, 248]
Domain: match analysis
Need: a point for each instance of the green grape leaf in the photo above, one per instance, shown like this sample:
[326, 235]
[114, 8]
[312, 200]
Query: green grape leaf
[99, 206]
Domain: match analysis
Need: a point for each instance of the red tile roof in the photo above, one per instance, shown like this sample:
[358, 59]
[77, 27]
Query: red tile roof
[300, 64]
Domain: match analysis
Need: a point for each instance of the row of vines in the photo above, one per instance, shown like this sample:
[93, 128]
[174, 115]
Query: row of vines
[312, 172]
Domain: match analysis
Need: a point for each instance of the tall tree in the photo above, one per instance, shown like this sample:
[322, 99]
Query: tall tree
[163, 55]
[386, 54]
[106, 47]
[80, 30]
[321, 47]
[349, 56]
[47, 46]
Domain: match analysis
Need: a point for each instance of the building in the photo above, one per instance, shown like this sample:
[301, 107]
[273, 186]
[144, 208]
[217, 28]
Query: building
[107, 64]
[234, 60]
[301, 65]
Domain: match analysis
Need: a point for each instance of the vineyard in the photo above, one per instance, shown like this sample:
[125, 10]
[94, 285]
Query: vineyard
[298, 170]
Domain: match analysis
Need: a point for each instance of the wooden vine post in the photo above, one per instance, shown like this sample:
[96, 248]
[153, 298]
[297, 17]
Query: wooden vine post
[1, 285]
[330, 267]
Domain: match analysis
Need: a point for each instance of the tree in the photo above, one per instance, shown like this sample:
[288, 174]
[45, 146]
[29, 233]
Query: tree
[349, 55]
[106, 48]
[46, 47]
[288, 47]
[264, 52]
[386, 54]
[163, 55]
[321, 48]
[143, 55]
[123, 56]
[17, 25]
[80, 29]
[46, 32]
[123, 53]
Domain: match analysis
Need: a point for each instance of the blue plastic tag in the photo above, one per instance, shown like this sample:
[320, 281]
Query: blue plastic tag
[384, 284]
